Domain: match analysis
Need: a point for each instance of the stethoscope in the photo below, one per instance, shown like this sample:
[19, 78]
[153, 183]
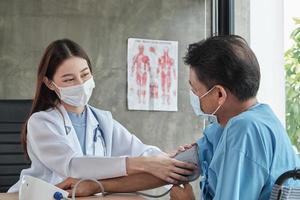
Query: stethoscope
[101, 137]
[95, 137]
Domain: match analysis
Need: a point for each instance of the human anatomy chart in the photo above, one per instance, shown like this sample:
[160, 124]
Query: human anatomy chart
[152, 74]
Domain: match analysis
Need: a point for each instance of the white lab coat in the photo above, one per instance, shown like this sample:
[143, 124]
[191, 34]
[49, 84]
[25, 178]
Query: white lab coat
[56, 154]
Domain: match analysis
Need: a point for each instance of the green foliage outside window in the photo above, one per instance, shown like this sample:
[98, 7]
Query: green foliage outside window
[292, 68]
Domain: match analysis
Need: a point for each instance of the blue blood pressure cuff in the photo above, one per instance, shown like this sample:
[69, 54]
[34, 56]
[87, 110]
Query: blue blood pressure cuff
[191, 156]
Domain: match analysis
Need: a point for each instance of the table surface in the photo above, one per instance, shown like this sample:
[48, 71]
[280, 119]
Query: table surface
[14, 196]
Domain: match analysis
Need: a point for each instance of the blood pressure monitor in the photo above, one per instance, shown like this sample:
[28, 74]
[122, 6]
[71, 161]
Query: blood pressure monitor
[191, 156]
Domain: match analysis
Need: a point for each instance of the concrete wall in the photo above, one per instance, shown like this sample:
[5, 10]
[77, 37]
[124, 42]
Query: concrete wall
[102, 28]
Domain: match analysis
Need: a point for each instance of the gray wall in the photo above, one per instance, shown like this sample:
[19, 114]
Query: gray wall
[102, 27]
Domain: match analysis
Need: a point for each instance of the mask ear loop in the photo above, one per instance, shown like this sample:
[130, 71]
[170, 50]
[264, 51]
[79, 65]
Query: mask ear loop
[205, 95]
[216, 109]
[94, 180]
[56, 89]
[207, 92]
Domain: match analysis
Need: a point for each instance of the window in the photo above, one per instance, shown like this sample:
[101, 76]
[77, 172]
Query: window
[292, 68]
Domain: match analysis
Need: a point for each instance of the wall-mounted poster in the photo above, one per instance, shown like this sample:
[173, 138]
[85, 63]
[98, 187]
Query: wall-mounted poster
[152, 74]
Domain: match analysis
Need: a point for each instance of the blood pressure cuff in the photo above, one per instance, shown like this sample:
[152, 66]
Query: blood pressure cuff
[191, 156]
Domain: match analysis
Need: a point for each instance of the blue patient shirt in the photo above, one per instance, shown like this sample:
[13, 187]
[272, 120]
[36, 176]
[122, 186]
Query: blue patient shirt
[79, 124]
[243, 159]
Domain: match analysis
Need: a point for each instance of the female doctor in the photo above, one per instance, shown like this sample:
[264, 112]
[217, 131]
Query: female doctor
[65, 137]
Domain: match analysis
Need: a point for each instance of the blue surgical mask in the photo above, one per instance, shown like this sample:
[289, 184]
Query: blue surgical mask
[196, 104]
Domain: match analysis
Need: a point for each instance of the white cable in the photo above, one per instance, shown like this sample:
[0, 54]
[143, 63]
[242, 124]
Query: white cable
[104, 194]
[94, 180]
[142, 193]
[153, 196]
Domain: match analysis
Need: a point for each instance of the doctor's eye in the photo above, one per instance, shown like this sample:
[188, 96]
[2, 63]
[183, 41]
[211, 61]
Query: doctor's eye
[68, 80]
[85, 75]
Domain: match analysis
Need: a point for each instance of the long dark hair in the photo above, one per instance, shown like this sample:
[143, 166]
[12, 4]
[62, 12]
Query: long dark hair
[44, 98]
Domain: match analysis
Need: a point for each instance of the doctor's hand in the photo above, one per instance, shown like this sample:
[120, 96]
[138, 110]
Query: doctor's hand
[84, 189]
[163, 167]
[180, 149]
[179, 193]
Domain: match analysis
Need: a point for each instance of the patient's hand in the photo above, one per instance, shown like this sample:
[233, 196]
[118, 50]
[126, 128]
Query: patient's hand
[85, 188]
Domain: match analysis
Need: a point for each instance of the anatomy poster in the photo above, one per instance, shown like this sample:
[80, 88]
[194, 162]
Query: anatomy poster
[152, 74]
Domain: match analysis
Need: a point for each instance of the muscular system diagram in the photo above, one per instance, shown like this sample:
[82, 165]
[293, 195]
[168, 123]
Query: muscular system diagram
[152, 74]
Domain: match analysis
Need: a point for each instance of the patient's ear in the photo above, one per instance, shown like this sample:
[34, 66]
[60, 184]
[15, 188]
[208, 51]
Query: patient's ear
[222, 94]
[49, 83]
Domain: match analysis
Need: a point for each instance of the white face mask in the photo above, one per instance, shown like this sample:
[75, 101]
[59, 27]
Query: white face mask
[196, 104]
[77, 95]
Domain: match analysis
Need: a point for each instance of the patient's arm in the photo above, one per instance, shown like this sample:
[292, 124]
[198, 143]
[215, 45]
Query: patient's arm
[136, 182]
[132, 183]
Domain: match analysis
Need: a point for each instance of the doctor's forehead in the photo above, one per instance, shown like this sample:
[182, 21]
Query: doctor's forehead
[72, 65]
